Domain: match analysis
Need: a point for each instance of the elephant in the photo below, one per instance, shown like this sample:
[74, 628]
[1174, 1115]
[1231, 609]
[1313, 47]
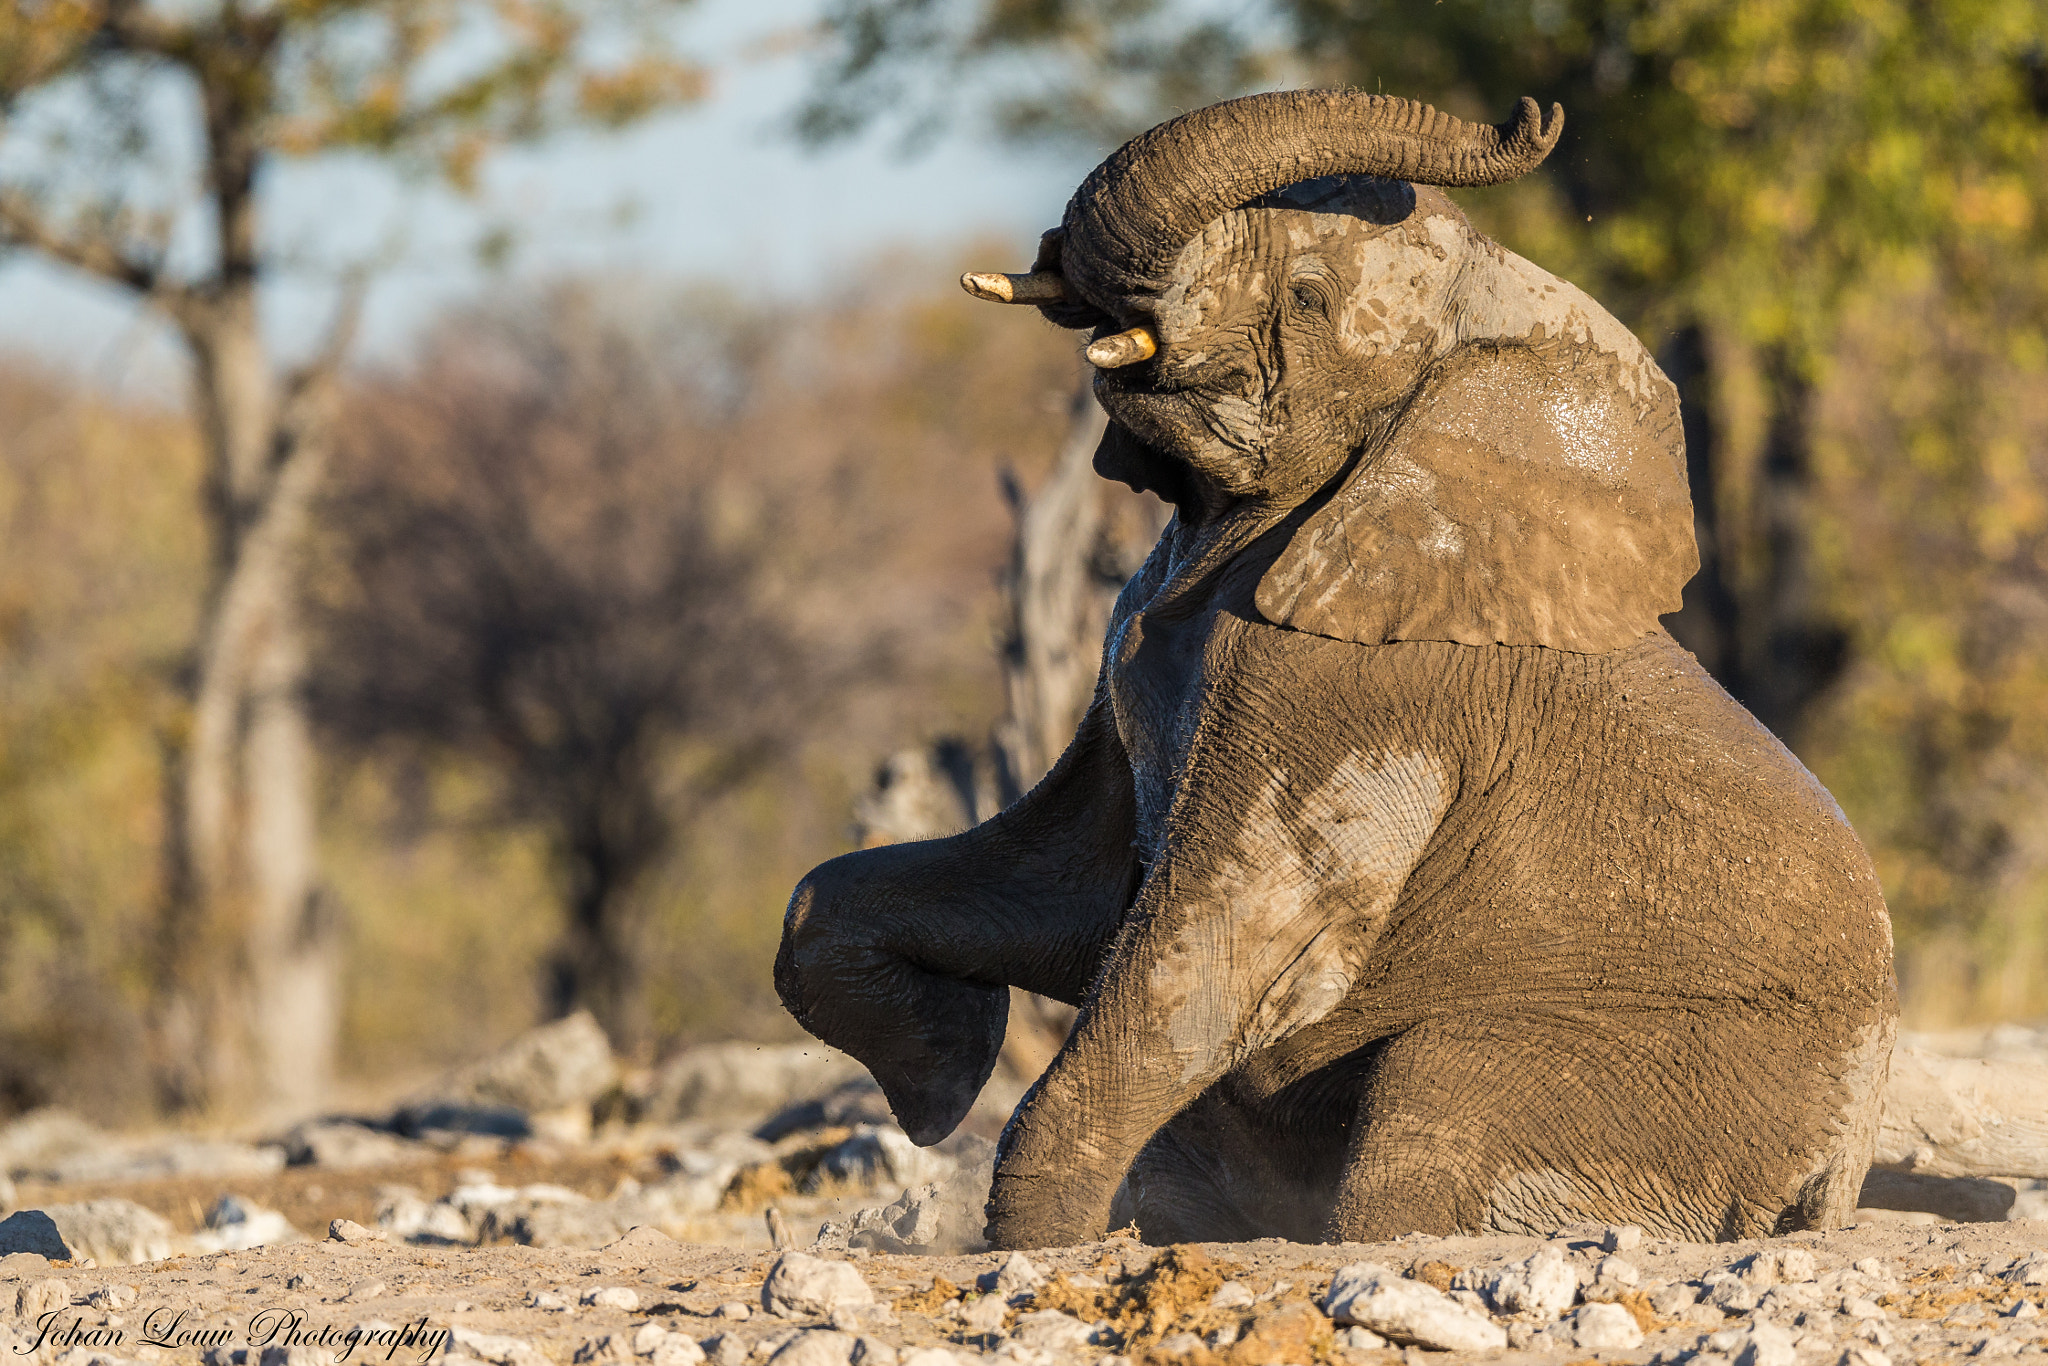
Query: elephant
[1408, 876]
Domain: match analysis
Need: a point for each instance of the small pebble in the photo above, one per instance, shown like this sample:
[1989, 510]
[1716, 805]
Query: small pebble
[612, 1297]
[732, 1309]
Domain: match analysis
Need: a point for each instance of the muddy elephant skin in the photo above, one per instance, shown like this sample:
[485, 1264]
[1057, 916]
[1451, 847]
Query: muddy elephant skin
[1408, 876]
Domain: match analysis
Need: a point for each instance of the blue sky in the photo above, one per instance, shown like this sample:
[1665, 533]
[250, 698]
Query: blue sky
[717, 190]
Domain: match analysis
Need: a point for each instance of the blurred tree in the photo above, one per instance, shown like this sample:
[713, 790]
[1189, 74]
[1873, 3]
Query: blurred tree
[1734, 178]
[530, 565]
[139, 136]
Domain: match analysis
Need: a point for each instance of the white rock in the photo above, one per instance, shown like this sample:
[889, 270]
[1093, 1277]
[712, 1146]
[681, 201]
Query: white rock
[1620, 1237]
[769, 1346]
[928, 1356]
[548, 1300]
[1859, 1354]
[111, 1232]
[1766, 1344]
[818, 1347]
[724, 1349]
[2031, 1269]
[1605, 1325]
[732, 1309]
[1795, 1265]
[1360, 1339]
[1857, 1307]
[503, 1351]
[405, 1214]
[350, 1232]
[1014, 1275]
[1231, 1295]
[801, 1286]
[1669, 1301]
[236, 1225]
[612, 1297]
[1542, 1285]
[870, 1351]
[985, 1315]
[114, 1297]
[934, 1219]
[1616, 1271]
[1051, 1330]
[1876, 1269]
[37, 1298]
[1373, 1296]
[1179, 1345]
[1732, 1296]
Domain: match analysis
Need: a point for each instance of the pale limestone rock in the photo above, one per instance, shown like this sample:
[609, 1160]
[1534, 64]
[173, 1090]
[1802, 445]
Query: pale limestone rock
[1620, 1237]
[1542, 1285]
[985, 1315]
[818, 1347]
[1051, 1330]
[495, 1348]
[37, 1298]
[1014, 1276]
[1598, 1326]
[1372, 1296]
[801, 1286]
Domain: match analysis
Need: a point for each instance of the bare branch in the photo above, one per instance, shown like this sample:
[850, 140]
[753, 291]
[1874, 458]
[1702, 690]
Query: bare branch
[340, 338]
[23, 224]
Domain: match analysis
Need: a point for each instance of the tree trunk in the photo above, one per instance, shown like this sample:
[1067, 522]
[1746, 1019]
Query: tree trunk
[248, 1005]
[1058, 605]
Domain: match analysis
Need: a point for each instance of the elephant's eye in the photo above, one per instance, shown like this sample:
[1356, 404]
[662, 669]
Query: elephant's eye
[1308, 298]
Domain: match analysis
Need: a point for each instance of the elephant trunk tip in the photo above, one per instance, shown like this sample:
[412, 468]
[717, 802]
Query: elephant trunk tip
[1039, 287]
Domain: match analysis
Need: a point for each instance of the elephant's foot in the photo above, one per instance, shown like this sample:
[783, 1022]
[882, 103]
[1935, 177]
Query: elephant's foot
[1028, 1211]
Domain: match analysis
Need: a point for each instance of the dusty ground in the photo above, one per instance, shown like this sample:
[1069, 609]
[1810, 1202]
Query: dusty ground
[1934, 1293]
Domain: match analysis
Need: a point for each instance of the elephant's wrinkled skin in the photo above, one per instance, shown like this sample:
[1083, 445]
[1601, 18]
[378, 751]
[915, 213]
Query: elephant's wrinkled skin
[1407, 874]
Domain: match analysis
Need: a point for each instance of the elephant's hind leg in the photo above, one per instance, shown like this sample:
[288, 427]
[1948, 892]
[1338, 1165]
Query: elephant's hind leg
[1219, 1172]
[1474, 1127]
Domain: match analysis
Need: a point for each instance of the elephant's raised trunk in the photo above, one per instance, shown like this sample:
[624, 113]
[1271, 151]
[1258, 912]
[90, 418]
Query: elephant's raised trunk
[1135, 211]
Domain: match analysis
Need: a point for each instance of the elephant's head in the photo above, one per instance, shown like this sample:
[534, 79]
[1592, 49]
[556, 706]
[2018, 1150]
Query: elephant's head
[1289, 314]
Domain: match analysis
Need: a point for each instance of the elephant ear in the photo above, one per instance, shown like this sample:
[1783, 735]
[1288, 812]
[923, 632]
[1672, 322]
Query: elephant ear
[1530, 494]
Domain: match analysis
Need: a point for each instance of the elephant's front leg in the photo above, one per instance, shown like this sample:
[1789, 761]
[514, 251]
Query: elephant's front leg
[1253, 924]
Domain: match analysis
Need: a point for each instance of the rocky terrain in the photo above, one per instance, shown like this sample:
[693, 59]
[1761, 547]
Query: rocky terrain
[1877, 1293]
[750, 1204]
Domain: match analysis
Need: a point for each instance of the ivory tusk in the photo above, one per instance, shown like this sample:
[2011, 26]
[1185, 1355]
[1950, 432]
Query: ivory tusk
[1125, 348]
[1039, 287]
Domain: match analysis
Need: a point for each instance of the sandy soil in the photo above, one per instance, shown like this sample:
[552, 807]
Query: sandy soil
[1934, 1293]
